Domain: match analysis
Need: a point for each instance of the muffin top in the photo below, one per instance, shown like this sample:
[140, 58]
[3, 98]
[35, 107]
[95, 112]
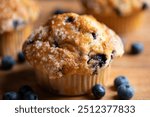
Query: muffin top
[16, 13]
[118, 7]
[72, 44]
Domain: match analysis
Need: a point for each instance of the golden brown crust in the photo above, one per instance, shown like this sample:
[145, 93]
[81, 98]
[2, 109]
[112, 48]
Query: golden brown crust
[72, 44]
[16, 13]
[116, 7]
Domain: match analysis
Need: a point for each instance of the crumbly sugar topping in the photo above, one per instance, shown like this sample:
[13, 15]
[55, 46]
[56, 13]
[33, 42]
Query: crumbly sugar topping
[72, 44]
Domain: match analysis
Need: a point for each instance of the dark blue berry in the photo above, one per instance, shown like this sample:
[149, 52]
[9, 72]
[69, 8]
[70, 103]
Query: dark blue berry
[120, 80]
[98, 91]
[30, 96]
[70, 19]
[98, 60]
[7, 62]
[27, 93]
[30, 42]
[59, 11]
[11, 96]
[94, 35]
[24, 89]
[137, 48]
[101, 58]
[144, 6]
[125, 92]
[118, 12]
[21, 57]
[56, 44]
[16, 23]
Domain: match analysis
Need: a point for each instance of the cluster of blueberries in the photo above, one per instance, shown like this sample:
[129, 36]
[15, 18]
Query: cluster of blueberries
[121, 83]
[8, 62]
[24, 93]
[124, 89]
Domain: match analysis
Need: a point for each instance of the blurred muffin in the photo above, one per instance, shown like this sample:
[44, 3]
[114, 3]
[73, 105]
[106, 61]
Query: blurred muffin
[72, 53]
[122, 16]
[16, 19]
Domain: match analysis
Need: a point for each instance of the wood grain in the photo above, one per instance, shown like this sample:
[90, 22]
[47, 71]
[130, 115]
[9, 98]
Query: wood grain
[136, 68]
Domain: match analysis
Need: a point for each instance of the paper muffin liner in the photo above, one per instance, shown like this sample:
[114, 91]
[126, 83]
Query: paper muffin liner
[73, 84]
[11, 43]
[123, 25]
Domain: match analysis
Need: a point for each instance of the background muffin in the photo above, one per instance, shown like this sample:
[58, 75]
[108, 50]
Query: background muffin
[72, 53]
[121, 15]
[15, 24]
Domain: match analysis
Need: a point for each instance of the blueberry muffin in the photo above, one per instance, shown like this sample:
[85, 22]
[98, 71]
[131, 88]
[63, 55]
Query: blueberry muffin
[16, 19]
[122, 16]
[71, 53]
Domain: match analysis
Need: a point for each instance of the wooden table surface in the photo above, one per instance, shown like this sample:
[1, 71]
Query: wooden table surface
[136, 68]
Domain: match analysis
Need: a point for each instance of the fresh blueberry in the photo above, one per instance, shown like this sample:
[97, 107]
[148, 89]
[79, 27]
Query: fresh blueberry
[27, 93]
[21, 57]
[24, 89]
[59, 11]
[120, 80]
[98, 91]
[11, 96]
[30, 96]
[137, 48]
[7, 62]
[125, 92]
